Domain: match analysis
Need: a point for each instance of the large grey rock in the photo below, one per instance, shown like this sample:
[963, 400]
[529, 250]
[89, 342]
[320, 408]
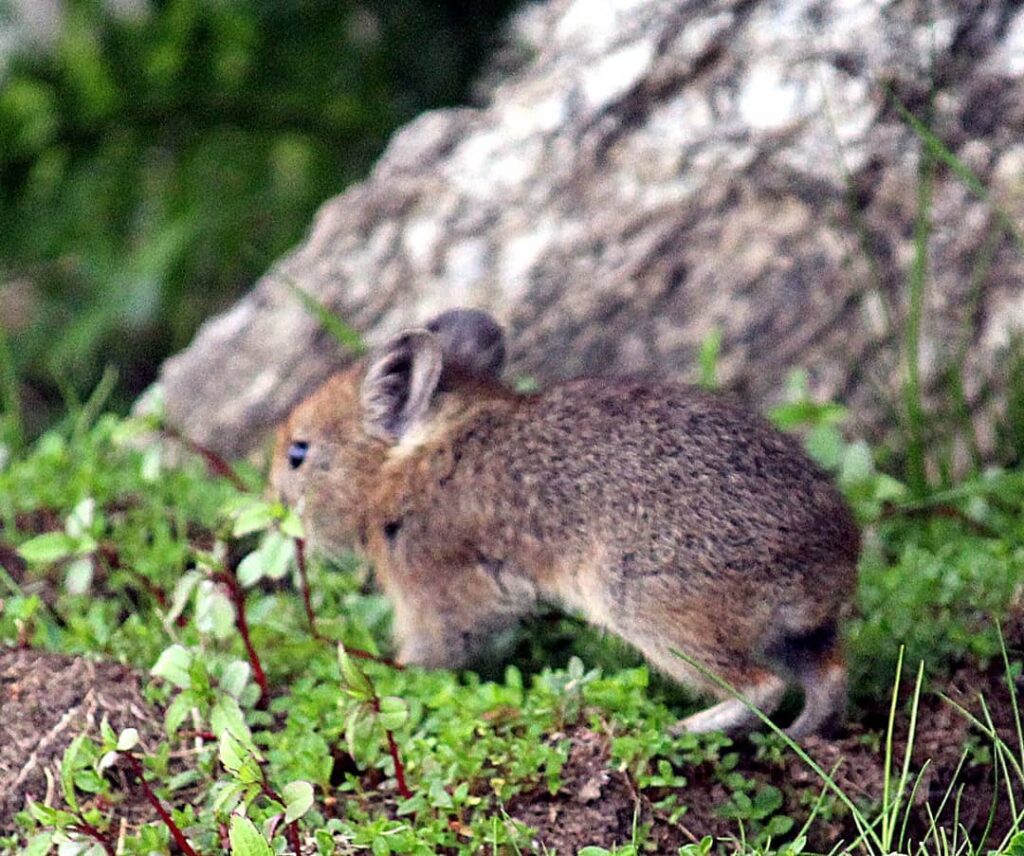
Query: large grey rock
[653, 170]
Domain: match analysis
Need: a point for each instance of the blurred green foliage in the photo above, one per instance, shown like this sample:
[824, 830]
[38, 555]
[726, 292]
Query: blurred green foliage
[154, 162]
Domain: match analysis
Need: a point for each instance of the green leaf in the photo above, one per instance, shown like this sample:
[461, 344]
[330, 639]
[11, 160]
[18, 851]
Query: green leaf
[352, 722]
[354, 679]
[1016, 845]
[239, 759]
[246, 839]
[152, 462]
[298, 798]
[107, 733]
[215, 613]
[253, 517]
[173, 665]
[341, 331]
[250, 569]
[858, 463]
[50, 816]
[68, 765]
[767, 801]
[291, 525]
[176, 712]
[825, 444]
[182, 591]
[278, 551]
[227, 717]
[227, 797]
[438, 796]
[39, 845]
[394, 713]
[47, 548]
[127, 740]
[78, 576]
[231, 753]
[80, 519]
[234, 677]
[272, 559]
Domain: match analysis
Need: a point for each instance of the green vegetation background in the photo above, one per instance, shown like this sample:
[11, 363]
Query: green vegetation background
[154, 163]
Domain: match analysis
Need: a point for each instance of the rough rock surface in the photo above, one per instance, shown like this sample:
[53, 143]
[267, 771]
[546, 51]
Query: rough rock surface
[654, 169]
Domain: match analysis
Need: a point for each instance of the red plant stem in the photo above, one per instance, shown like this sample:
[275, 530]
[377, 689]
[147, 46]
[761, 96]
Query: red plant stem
[238, 599]
[403, 788]
[176, 833]
[112, 558]
[225, 836]
[366, 655]
[98, 836]
[300, 555]
[293, 827]
[214, 462]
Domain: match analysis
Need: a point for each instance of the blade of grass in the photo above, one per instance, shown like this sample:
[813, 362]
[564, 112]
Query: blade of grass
[710, 350]
[887, 762]
[957, 390]
[943, 154]
[859, 223]
[12, 425]
[901, 841]
[818, 805]
[917, 475]
[90, 410]
[339, 330]
[998, 743]
[1003, 760]
[1011, 685]
[905, 773]
[951, 788]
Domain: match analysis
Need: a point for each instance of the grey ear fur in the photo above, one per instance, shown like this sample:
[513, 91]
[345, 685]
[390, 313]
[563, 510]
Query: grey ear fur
[399, 383]
[471, 340]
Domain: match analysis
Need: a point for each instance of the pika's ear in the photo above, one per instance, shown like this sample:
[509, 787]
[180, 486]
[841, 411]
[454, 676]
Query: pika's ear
[399, 383]
[470, 339]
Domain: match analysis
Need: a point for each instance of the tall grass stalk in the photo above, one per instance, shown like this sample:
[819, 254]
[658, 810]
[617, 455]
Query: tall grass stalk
[955, 374]
[916, 469]
[942, 153]
[93, 406]
[891, 801]
[345, 335]
[12, 422]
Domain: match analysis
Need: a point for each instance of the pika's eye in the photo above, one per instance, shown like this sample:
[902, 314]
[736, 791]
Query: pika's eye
[297, 453]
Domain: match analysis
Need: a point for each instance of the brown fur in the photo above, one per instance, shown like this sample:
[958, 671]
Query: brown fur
[666, 514]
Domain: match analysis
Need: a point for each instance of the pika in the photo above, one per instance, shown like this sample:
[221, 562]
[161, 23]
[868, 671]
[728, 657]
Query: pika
[668, 515]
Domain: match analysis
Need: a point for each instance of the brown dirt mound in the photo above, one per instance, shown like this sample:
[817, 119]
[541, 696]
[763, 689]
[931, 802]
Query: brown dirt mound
[45, 701]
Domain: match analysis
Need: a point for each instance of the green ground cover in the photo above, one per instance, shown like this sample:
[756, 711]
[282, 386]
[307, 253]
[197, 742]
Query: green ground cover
[123, 557]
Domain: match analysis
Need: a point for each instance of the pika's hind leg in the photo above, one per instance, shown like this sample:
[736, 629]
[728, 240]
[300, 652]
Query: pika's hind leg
[733, 716]
[816, 660]
[824, 686]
